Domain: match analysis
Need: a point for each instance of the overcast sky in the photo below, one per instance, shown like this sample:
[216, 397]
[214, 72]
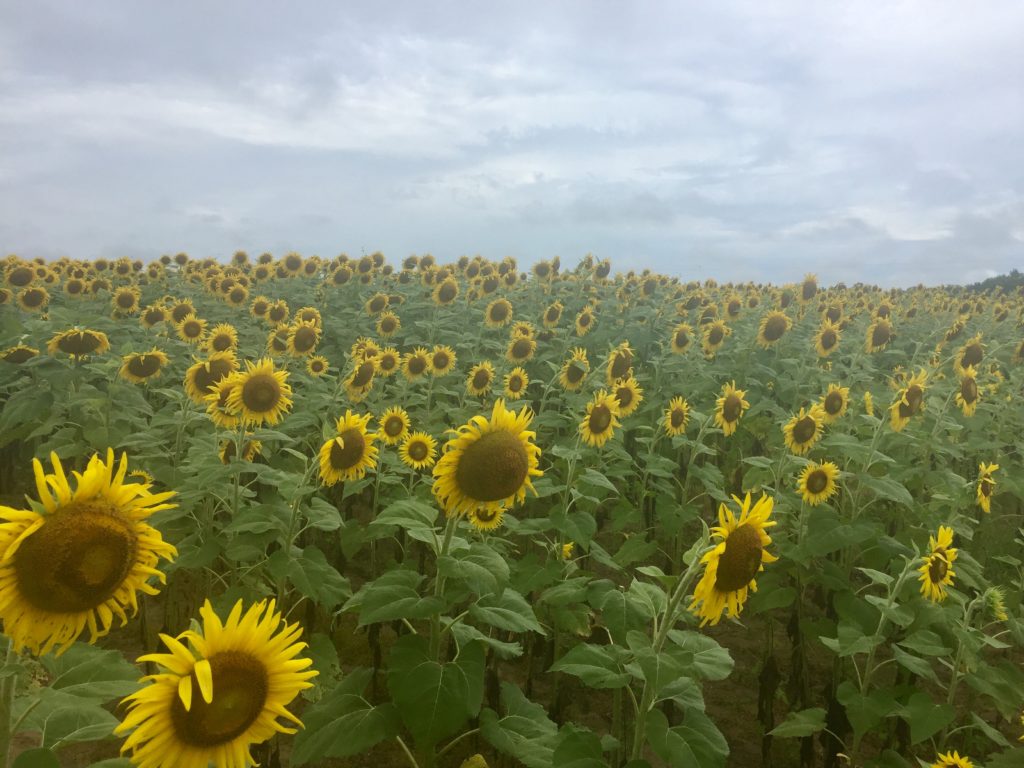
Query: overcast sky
[876, 141]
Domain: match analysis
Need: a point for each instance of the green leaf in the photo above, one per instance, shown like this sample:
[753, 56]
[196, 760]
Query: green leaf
[524, 733]
[91, 673]
[393, 596]
[482, 569]
[434, 699]
[36, 758]
[343, 723]
[595, 478]
[696, 742]
[865, 712]
[887, 488]
[578, 748]
[800, 724]
[989, 731]
[322, 515]
[510, 611]
[926, 718]
[416, 517]
[595, 665]
[702, 656]
[926, 642]
[317, 579]
[915, 664]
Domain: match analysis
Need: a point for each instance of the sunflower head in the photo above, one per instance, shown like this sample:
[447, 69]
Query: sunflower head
[910, 401]
[628, 393]
[317, 365]
[774, 326]
[498, 313]
[418, 450]
[394, 425]
[191, 329]
[937, 566]
[349, 454]
[260, 394]
[480, 379]
[879, 334]
[817, 482]
[516, 382]
[33, 299]
[79, 343]
[303, 337]
[952, 760]
[552, 315]
[715, 334]
[968, 394]
[442, 360]
[416, 363]
[520, 349]
[676, 416]
[203, 374]
[826, 340]
[730, 407]
[446, 291]
[620, 362]
[600, 420]
[804, 429]
[986, 486]
[18, 354]
[139, 368]
[834, 403]
[153, 315]
[682, 338]
[488, 463]
[585, 321]
[574, 370]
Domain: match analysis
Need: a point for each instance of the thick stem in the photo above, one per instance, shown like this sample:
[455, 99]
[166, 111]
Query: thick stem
[435, 620]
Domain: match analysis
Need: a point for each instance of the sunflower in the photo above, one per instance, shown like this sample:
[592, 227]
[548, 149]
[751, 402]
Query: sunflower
[986, 486]
[126, 300]
[349, 455]
[968, 395]
[278, 312]
[442, 360]
[826, 340]
[485, 519]
[309, 315]
[620, 363]
[676, 416]
[869, 404]
[774, 326]
[628, 395]
[415, 363]
[250, 449]
[418, 450]
[910, 401]
[804, 429]
[522, 329]
[585, 321]
[277, 340]
[205, 373]
[139, 368]
[237, 296]
[153, 315]
[730, 408]
[552, 315]
[317, 365]
[488, 463]
[682, 338]
[834, 403]
[574, 370]
[520, 349]
[261, 394]
[78, 343]
[181, 310]
[817, 482]
[879, 335]
[937, 567]
[376, 304]
[480, 379]
[446, 291]
[222, 338]
[970, 354]
[388, 324]
[80, 562]
[303, 337]
[952, 760]
[715, 334]
[600, 420]
[498, 313]
[516, 382]
[360, 380]
[217, 407]
[191, 329]
[394, 425]
[388, 362]
[731, 567]
[33, 299]
[19, 354]
[211, 703]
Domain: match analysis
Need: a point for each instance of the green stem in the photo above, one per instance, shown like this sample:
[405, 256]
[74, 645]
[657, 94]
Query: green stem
[408, 754]
[435, 619]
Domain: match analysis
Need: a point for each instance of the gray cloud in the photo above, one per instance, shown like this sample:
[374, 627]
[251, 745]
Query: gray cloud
[735, 141]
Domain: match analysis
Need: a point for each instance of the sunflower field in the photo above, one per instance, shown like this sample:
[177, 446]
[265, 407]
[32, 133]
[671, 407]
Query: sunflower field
[338, 512]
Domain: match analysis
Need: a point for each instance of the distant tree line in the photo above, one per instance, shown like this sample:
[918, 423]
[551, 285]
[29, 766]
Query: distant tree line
[1008, 282]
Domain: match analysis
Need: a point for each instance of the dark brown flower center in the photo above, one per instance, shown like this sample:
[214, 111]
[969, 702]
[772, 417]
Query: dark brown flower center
[154, 316]
[393, 426]
[363, 374]
[261, 393]
[677, 418]
[277, 314]
[144, 366]
[715, 335]
[441, 361]
[833, 314]
[19, 355]
[833, 403]
[33, 297]
[828, 339]
[19, 277]
[881, 333]
[732, 408]
[304, 339]
[740, 561]
[387, 325]
[205, 376]
[447, 292]
[126, 300]
[377, 303]
[986, 486]
[682, 338]
[972, 355]
[240, 687]
[600, 419]
[574, 373]
[192, 329]
[417, 450]
[914, 397]
[493, 468]
[622, 363]
[775, 328]
[350, 452]
[79, 343]
[817, 481]
[181, 311]
[938, 565]
[804, 430]
[625, 397]
[237, 295]
[969, 390]
[417, 365]
[585, 320]
[481, 379]
[77, 560]
[521, 348]
[499, 312]
[515, 383]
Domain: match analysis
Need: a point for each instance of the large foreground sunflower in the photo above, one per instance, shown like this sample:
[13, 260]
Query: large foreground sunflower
[730, 407]
[817, 482]
[81, 561]
[731, 567]
[210, 703]
[349, 455]
[261, 394]
[488, 463]
[986, 485]
[937, 566]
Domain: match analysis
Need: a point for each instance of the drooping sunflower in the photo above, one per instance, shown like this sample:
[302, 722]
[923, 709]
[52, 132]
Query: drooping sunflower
[388, 324]
[878, 336]
[516, 382]
[153, 315]
[817, 482]
[418, 450]
[715, 334]
[222, 338]
[277, 340]
[18, 354]
[33, 299]
[498, 313]
[968, 394]
[80, 562]
[552, 315]
[360, 380]
[937, 567]
[480, 379]
[205, 373]
[682, 338]
[834, 403]
[309, 315]
[804, 429]
[730, 569]
[416, 363]
[774, 326]
[79, 343]
[394, 425]
[261, 394]
[303, 338]
[970, 354]
[986, 486]
[730, 407]
[442, 360]
[585, 321]
[446, 291]
[574, 370]
[628, 394]
[191, 329]
[140, 367]
[952, 760]
[601, 419]
[620, 363]
[209, 704]
[520, 349]
[317, 365]
[485, 519]
[351, 453]
[250, 449]
[488, 463]
[826, 340]
[909, 403]
[676, 416]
